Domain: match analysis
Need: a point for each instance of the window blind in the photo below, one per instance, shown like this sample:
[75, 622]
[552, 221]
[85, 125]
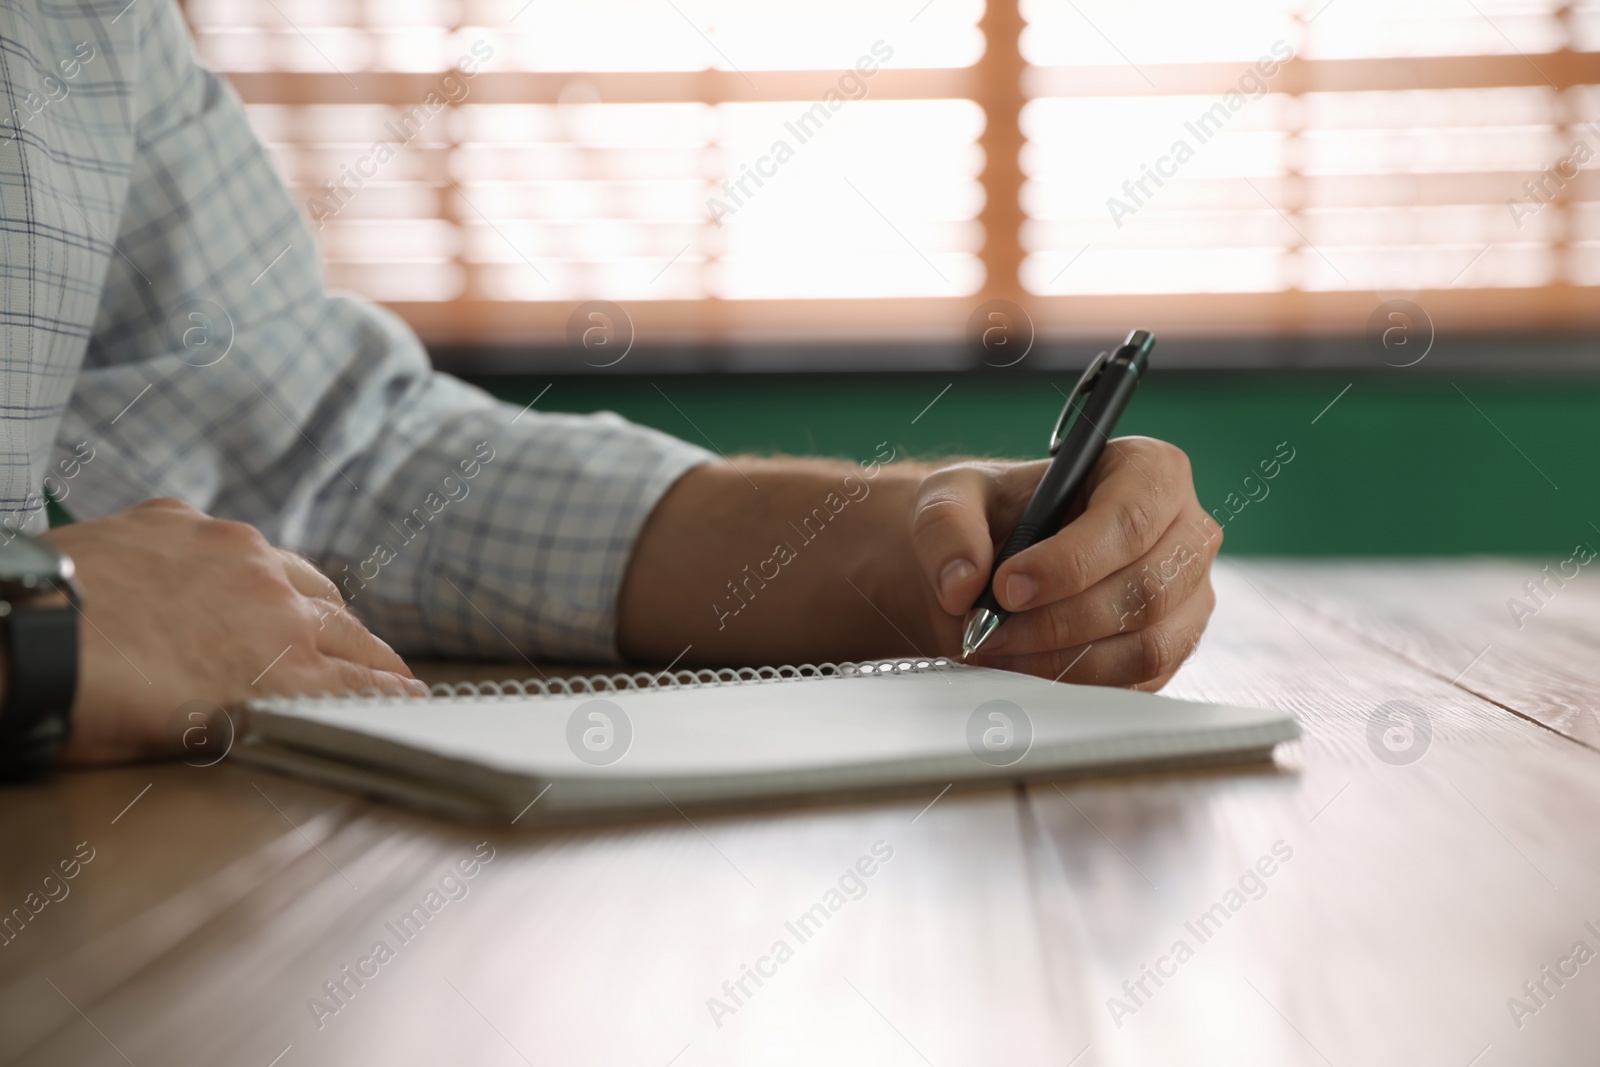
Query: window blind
[830, 171]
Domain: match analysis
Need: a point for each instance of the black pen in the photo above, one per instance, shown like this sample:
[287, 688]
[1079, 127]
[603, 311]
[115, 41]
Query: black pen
[1097, 402]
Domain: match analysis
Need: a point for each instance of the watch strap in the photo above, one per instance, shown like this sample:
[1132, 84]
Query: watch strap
[41, 682]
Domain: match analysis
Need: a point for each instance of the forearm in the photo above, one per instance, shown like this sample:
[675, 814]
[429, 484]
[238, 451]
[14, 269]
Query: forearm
[774, 561]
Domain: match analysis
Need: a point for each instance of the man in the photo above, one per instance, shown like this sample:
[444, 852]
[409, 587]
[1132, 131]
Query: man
[176, 374]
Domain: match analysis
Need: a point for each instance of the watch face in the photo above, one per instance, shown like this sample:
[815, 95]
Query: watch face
[23, 558]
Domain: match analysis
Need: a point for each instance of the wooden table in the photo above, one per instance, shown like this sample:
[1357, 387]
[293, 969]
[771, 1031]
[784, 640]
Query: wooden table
[1409, 898]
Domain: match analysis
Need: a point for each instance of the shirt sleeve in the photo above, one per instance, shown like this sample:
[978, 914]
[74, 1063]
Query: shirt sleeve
[221, 371]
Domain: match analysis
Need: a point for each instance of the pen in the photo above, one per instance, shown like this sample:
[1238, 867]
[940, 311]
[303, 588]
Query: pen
[1097, 401]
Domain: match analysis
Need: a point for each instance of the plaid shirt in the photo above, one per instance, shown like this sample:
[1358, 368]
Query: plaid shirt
[165, 331]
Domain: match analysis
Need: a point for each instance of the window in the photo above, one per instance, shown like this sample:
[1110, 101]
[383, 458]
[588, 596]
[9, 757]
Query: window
[833, 170]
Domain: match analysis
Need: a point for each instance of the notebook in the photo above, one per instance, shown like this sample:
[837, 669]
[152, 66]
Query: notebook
[539, 751]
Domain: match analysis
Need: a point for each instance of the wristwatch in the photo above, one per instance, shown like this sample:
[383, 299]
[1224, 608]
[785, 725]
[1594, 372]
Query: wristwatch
[39, 607]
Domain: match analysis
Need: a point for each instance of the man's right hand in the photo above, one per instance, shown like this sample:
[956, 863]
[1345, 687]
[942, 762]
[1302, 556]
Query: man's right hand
[181, 607]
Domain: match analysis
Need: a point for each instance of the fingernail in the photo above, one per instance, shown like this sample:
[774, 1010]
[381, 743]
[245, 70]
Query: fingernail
[996, 641]
[955, 572]
[1020, 591]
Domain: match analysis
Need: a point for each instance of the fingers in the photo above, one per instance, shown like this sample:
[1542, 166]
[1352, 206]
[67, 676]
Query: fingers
[1143, 659]
[950, 533]
[1140, 594]
[356, 679]
[1141, 485]
[311, 671]
[307, 579]
[341, 635]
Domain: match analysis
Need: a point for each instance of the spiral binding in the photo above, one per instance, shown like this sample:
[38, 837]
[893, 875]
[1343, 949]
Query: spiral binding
[644, 681]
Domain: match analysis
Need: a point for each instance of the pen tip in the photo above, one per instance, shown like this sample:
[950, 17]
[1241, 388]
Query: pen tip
[982, 624]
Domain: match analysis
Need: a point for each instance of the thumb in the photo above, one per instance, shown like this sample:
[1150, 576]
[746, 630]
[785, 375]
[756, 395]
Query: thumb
[950, 535]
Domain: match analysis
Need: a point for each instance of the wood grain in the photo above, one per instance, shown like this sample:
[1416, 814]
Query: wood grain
[1456, 621]
[1417, 899]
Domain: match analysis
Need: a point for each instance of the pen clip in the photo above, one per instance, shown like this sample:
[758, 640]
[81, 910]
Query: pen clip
[1079, 391]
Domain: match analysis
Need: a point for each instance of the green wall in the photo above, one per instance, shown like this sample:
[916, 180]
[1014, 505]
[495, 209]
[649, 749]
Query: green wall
[1397, 466]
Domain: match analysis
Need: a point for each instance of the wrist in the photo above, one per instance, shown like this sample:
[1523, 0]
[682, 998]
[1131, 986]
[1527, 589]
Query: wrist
[814, 565]
[885, 570]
